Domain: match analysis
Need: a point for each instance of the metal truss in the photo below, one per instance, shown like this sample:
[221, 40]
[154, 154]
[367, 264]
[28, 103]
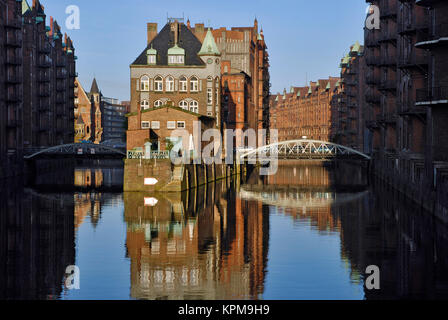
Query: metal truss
[300, 149]
[77, 149]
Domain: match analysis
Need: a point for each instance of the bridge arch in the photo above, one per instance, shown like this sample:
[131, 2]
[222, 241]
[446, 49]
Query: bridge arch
[76, 149]
[303, 147]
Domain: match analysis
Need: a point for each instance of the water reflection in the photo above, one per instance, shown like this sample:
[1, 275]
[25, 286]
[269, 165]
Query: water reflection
[206, 244]
[307, 233]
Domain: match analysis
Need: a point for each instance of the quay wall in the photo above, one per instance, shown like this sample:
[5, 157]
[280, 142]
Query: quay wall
[171, 178]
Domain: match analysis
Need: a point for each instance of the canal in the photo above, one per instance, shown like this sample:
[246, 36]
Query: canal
[309, 232]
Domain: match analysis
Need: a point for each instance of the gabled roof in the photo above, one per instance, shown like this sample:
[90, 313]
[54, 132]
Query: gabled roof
[209, 46]
[25, 7]
[165, 40]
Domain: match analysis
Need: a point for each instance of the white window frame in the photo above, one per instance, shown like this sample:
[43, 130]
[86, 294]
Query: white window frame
[158, 103]
[184, 105]
[144, 83]
[155, 125]
[158, 84]
[194, 106]
[144, 105]
[169, 84]
[183, 84]
[194, 84]
[171, 125]
[209, 96]
[152, 59]
[146, 125]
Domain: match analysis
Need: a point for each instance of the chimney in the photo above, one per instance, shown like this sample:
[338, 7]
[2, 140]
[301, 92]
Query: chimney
[152, 31]
[51, 26]
[175, 30]
[34, 4]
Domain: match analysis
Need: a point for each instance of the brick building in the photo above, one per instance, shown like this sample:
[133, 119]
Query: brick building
[406, 93]
[305, 111]
[36, 83]
[350, 105]
[175, 81]
[245, 70]
[98, 118]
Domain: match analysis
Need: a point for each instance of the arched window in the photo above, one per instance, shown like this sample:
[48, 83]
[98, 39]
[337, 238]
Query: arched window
[158, 83]
[158, 103]
[194, 84]
[194, 106]
[144, 83]
[170, 84]
[144, 105]
[183, 84]
[184, 105]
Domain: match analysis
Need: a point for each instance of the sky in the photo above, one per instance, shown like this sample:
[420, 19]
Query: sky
[306, 39]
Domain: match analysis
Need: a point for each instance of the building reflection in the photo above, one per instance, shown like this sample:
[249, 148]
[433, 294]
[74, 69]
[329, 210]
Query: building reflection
[37, 243]
[205, 244]
[377, 226]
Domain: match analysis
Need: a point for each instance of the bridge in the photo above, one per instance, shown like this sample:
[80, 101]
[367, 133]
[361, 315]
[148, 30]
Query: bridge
[298, 198]
[303, 149]
[75, 150]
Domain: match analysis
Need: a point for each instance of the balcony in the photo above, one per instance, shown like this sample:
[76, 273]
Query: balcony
[388, 11]
[390, 85]
[436, 95]
[406, 27]
[389, 60]
[13, 96]
[14, 40]
[372, 79]
[13, 60]
[13, 78]
[372, 60]
[373, 98]
[415, 60]
[13, 24]
[61, 63]
[429, 38]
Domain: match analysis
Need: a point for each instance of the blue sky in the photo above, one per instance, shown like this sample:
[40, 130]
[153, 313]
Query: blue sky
[306, 39]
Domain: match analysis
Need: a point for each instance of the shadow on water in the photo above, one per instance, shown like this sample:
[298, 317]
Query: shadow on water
[229, 240]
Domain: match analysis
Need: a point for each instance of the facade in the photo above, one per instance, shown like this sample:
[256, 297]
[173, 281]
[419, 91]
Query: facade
[244, 54]
[407, 96]
[97, 118]
[175, 81]
[350, 104]
[305, 112]
[11, 87]
[36, 83]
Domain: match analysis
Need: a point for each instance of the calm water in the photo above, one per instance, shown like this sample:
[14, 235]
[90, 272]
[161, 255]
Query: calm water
[307, 233]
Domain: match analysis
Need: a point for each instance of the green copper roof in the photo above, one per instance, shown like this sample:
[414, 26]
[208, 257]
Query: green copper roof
[328, 86]
[176, 50]
[259, 37]
[209, 46]
[292, 90]
[310, 91]
[276, 98]
[298, 93]
[152, 51]
[356, 47]
[25, 6]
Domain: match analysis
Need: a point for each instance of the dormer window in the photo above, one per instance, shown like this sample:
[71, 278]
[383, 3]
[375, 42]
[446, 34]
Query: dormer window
[151, 54]
[176, 56]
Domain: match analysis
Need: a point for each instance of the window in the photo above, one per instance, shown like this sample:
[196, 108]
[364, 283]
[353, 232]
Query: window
[171, 125]
[145, 83]
[158, 103]
[183, 104]
[194, 84]
[170, 84]
[209, 96]
[146, 125]
[151, 59]
[183, 84]
[181, 124]
[158, 82]
[144, 105]
[194, 106]
[155, 124]
[175, 59]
